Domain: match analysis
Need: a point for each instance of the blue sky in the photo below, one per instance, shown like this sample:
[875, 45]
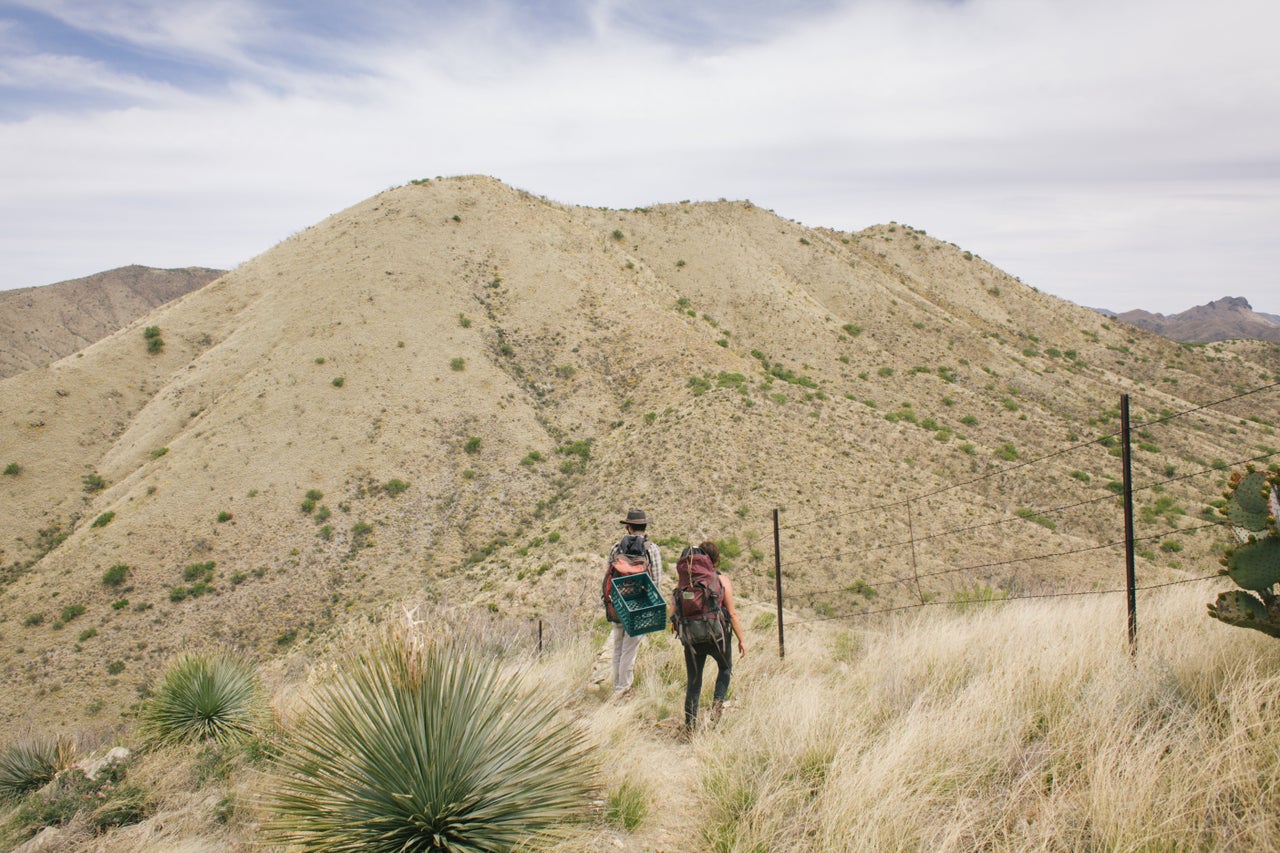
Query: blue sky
[1117, 153]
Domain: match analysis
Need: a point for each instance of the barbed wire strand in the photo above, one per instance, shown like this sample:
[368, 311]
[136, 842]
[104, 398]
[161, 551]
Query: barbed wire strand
[1034, 461]
[1170, 417]
[1015, 517]
[958, 569]
[897, 609]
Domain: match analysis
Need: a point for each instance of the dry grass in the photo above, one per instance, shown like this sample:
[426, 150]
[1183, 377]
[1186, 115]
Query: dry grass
[1024, 726]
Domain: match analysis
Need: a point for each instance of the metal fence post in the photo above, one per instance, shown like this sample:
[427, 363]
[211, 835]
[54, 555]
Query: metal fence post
[777, 580]
[1129, 574]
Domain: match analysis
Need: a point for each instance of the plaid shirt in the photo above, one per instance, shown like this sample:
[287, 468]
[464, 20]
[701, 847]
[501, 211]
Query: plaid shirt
[655, 559]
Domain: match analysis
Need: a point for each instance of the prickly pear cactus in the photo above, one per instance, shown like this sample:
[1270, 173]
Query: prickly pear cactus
[1253, 503]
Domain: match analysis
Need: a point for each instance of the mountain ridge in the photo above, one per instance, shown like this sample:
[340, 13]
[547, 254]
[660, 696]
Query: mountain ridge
[42, 324]
[530, 370]
[1229, 318]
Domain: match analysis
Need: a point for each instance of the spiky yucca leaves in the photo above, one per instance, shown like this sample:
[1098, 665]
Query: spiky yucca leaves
[204, 697]
[31, 764]
[428, 748]
[1254, 563]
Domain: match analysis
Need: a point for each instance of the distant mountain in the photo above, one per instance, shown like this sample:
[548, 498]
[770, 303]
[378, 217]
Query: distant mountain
[39, 325]
[1229, 318]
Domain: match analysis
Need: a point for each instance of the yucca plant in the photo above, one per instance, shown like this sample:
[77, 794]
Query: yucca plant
[212, 696]
[31, 764]
[428, 747]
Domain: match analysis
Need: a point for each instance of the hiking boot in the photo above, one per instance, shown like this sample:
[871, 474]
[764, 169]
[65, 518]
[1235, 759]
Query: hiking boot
[685, 733]
[717, 708]
[620, 696]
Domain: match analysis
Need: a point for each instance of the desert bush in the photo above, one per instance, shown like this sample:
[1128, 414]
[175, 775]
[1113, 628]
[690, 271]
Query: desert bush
[93, 483]
[458, 363]
[424, 748]
[104, 519]
[339, 381]
[28, 765]
[13, 469]
[203, 696]
[394, 487]
[472, 445]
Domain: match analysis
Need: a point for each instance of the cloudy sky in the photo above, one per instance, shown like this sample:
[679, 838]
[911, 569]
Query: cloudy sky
[1117, 153]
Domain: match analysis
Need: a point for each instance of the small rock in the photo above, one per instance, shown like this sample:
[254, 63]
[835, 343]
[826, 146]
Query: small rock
[93, 766]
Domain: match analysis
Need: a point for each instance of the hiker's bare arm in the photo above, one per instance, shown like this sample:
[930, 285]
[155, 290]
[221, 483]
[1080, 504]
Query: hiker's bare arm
[733, 615]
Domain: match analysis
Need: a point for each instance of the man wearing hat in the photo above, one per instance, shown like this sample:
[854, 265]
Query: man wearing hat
[625, 646]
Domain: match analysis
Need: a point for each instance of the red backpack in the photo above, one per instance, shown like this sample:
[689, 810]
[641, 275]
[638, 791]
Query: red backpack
[699, 600]
[632, 559]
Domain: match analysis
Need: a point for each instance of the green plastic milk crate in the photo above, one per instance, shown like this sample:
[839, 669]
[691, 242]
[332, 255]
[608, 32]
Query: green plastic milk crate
[638, 604]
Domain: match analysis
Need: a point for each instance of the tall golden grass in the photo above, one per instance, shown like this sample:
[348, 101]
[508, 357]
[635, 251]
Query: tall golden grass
[1014, 726]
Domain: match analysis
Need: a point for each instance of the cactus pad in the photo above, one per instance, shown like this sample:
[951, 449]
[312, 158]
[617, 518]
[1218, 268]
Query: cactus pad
[1243, 610]
[1247, 506]
[1255, 565]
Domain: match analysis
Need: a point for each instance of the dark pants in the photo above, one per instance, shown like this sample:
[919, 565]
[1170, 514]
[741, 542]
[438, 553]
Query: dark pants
[695, 658]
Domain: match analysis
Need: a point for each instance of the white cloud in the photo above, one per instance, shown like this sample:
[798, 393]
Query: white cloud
[1098, 150]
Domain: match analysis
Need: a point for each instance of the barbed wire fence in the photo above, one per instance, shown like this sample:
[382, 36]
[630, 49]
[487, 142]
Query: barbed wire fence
[1119, 443]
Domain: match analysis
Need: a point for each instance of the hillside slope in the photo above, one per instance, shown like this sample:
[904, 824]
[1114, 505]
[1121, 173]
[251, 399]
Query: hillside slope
[39, 325]
[530, 370]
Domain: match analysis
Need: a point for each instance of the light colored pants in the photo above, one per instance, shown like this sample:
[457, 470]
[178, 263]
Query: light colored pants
[624, 658]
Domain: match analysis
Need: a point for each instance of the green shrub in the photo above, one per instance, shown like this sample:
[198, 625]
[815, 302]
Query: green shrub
[339, 381]
[71, 611]
[199, 571]
[203, 696]
[13, 469]
[158, 452]
[115, 575]
[115, 667]
[699, 385]
[457, 364]
[394, 487]
[154, 342]
[29, 765]
[224, 516]
[1033, 516]
[93, 483]
[851, 330]
[104, 519]
[473, 445]
[1007, 452]
[433, 749]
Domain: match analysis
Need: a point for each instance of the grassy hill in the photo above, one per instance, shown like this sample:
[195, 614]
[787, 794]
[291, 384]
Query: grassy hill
[452, 392]
[39, 325]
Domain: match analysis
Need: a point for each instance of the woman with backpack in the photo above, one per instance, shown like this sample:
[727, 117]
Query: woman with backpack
[703, 616]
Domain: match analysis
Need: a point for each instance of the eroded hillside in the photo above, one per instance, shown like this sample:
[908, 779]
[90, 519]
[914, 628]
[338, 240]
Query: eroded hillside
[455, 389]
